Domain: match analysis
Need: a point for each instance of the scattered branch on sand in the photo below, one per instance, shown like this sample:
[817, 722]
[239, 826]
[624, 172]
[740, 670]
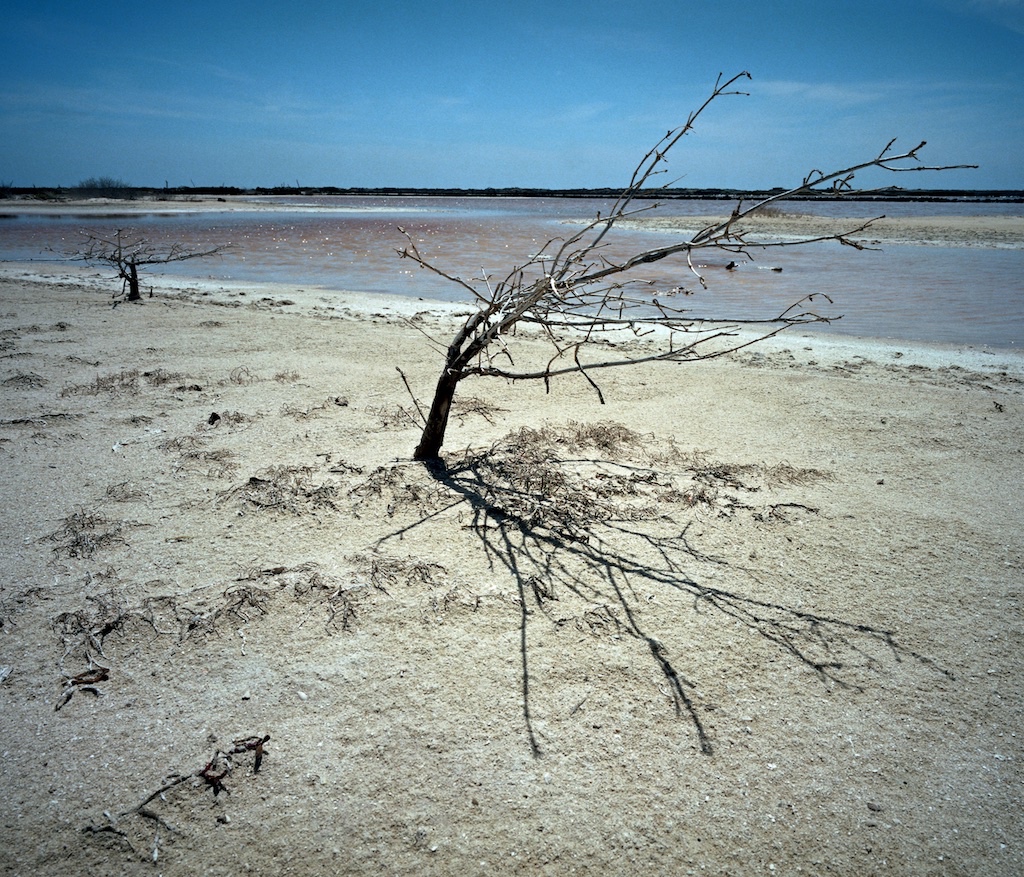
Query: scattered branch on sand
[84, 681]
[212, 775]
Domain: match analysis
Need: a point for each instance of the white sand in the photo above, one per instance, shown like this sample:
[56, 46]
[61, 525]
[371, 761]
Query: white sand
[821, 540]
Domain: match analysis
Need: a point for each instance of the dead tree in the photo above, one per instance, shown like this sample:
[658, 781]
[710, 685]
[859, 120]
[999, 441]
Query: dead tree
[126, 252]
[578, 295]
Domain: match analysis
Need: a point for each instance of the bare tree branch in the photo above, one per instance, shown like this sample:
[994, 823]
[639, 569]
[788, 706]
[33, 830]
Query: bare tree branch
[575, 286]
[126, 252]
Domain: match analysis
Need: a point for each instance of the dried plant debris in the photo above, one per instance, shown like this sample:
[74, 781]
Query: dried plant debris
[311, 411]
[750, 476]
[84, 631]
[612, 439]
[395, 416]
[601, 620]
[259, 593]
[405, 489]
[125, 491]
[84, 532]
[384, 572]
[145, 829]
[126, 381]
[307, 583]
[183, 443]
[177, 381]
[213, 463]
[41, 419]
[25, 381]
[229, 419]
[245, 602]
[441, 604]
[87, 680]
[243, 377]
[81, 360]
[285, 489]
[472, 406]
[159, 377]
[569, 478]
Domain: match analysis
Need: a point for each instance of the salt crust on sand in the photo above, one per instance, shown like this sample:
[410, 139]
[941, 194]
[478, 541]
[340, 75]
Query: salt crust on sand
[820, 538]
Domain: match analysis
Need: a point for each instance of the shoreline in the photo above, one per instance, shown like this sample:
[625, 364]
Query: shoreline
[994, 232]
[312, 300]
[924, 229]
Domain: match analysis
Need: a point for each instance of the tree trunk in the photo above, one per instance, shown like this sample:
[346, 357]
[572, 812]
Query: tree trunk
[432, 438]
[133, 283]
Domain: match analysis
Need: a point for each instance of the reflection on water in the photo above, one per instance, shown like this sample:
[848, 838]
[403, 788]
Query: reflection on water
[960, 295]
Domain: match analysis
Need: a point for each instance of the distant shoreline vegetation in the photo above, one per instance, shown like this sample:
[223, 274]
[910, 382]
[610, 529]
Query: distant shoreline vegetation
[122, 191]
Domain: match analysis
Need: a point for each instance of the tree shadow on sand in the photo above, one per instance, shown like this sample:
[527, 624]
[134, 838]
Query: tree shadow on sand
[590, 514]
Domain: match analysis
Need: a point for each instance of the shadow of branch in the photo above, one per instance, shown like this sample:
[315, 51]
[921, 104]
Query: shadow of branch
[554, 541]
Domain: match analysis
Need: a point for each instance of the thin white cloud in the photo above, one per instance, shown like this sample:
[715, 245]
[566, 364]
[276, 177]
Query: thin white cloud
[830, 93]
[215, 70]
[116, 104]
[1006, 13]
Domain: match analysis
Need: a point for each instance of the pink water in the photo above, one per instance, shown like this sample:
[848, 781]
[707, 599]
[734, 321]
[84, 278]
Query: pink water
[961, 295]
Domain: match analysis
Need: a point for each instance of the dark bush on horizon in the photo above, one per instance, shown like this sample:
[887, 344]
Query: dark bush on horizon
[105, 187]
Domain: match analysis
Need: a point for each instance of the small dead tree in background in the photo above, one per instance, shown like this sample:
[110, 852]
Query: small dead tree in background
[578, 295]
[126, 252]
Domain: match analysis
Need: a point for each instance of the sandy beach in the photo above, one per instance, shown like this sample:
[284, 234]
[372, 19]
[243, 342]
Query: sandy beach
[754, 615]
[943, 231]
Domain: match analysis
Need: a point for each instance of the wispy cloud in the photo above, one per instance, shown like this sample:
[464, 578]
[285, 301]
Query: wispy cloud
[830, 93]
[235, 77]
[114, 104]
[1007, 13]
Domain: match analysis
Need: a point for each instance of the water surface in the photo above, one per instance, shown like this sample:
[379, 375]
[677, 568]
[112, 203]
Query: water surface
[961, 295]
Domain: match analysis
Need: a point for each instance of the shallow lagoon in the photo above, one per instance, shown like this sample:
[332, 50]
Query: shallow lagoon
[961, 295]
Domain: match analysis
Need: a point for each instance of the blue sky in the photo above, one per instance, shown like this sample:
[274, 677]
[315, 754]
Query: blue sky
[504, 92]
